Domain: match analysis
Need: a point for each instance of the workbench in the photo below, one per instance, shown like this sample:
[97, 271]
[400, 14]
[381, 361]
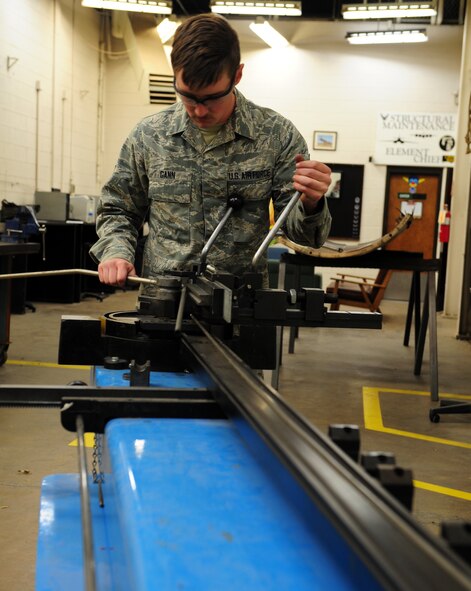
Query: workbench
[424, 318]
[8, 250]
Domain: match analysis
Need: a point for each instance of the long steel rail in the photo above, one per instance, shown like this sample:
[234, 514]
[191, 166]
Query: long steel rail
[398, 552]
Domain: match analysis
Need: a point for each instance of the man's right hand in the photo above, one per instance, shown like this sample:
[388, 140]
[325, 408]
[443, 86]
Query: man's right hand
[115, 271]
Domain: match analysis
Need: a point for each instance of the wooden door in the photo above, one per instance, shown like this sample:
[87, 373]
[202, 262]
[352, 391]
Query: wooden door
[417, 189]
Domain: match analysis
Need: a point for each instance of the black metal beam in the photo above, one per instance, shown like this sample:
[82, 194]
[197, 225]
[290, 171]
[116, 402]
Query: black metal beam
[53, 396]
[400, 554]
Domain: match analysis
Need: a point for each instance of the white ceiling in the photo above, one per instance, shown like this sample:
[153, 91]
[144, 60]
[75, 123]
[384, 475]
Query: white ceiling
[308, 32]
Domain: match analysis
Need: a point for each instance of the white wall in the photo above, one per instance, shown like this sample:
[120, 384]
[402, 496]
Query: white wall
[127, 89]
[461, 195]
[55, 45]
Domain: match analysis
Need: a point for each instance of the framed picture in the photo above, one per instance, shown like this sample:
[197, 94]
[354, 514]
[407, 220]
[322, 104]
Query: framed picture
[325, 140]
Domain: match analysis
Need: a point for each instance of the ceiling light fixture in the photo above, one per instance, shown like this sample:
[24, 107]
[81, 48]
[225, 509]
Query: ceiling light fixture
[378, 37]
[152, 6]
[268, 34]
[376, 10]
[292, 8]
[166, 29]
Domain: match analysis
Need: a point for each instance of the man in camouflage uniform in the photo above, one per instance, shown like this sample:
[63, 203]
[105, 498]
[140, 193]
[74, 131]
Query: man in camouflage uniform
[178, 168]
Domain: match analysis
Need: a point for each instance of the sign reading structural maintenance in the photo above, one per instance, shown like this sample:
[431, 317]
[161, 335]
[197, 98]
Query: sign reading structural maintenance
[416, 139]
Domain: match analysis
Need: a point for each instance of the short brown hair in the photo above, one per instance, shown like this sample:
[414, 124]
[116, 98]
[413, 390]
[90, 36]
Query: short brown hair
[204, 47]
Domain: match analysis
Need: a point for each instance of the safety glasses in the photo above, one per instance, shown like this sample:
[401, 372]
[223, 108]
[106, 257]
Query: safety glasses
[211, 100]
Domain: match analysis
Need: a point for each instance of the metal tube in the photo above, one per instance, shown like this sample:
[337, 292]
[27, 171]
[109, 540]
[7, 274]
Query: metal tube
[279, 222]
[214, 235]
[52, 273]
[87, 532]
[181, 309]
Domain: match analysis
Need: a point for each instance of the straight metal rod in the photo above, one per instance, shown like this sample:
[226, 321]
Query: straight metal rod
[87, 532]
[276, 226]
[214, 235]
[181, 309]
[53, 272]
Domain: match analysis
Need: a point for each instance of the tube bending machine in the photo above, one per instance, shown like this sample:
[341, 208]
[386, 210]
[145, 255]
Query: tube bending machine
[203, 477]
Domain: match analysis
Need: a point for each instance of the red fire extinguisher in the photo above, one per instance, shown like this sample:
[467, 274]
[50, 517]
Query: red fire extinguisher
[444, 224]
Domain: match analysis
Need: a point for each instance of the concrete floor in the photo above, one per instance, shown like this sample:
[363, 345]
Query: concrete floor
[325, 380]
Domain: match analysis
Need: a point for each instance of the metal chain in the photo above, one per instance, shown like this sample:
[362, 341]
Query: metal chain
[98, 476]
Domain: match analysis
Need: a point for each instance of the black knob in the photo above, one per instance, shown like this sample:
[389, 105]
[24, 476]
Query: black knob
[235, 201]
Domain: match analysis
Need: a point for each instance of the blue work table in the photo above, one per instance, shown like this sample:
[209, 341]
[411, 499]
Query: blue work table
[189, 506]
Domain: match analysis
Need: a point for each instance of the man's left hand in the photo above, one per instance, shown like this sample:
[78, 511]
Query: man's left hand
[312, 179]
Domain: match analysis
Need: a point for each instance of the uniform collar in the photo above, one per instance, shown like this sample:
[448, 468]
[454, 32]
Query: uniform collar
[241, 120]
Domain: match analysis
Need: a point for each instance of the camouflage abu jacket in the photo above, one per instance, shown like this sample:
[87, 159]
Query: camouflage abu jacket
[167, 173]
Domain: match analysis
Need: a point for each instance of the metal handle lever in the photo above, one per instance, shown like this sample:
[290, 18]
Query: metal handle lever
[233, 204]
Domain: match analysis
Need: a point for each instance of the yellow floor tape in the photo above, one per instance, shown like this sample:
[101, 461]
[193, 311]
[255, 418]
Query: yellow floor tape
[443, 490]
[374, 422]
[89, 440]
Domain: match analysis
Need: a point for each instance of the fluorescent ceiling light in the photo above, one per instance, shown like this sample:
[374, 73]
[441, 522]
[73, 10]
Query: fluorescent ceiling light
[393, 10]
[375, 37]
[166, 29]
[153, 6]
[268, 34]
[292, 8]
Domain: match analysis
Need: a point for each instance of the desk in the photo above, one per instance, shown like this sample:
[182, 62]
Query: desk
[397, 261]
[8, 250]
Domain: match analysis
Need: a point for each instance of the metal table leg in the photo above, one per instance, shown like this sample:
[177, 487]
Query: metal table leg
[275, 375]
[433, 337]
[429, 316]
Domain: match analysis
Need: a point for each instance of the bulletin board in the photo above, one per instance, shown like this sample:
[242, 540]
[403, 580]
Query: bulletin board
[344, 197]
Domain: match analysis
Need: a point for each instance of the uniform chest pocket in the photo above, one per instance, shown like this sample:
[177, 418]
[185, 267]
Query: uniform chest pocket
[250, 222]
[170, 196]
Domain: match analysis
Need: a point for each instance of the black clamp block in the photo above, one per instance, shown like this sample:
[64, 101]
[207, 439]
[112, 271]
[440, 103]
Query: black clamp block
[398, 482]
[458, 536]
[347, 437]
[80, 341]
[140, 374]
[314, 299]
[270, 304]
[371, 461]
